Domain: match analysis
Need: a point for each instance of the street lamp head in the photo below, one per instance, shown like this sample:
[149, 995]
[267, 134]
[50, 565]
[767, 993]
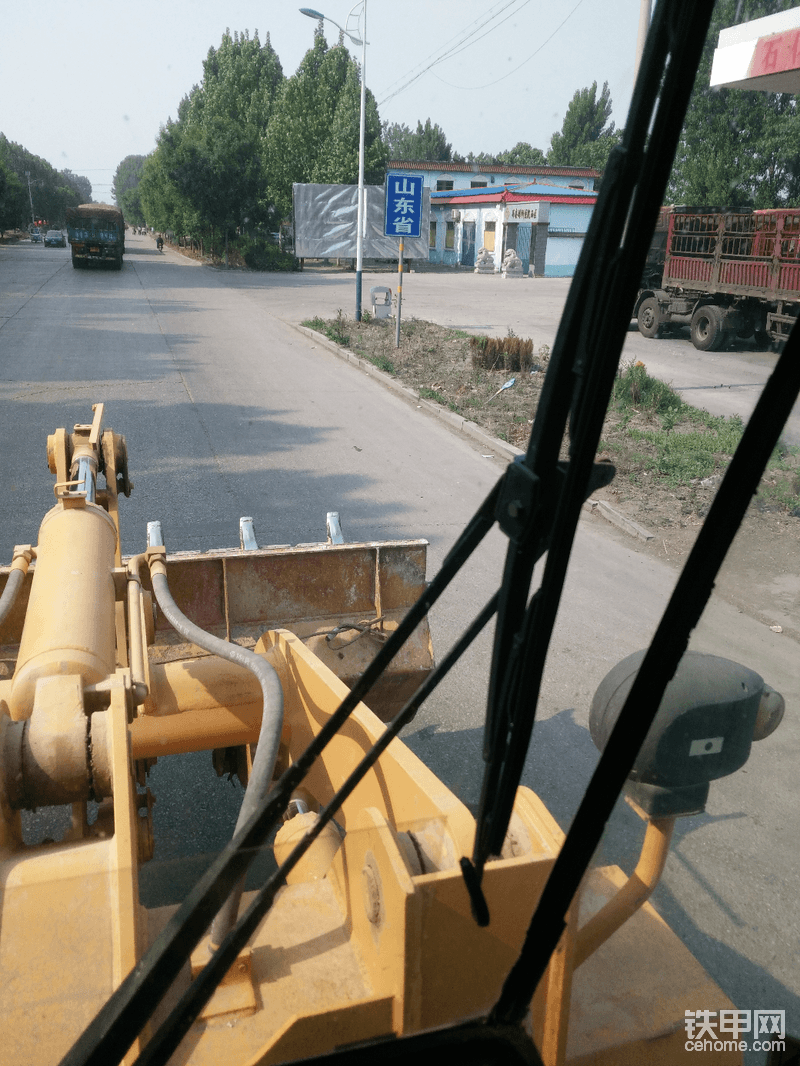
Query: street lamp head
[362, 41]
[312, 14]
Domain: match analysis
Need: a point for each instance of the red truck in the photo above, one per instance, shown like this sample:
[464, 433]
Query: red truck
[725, 274]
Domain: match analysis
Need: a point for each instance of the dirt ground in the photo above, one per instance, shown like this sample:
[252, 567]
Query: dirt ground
[761, 575]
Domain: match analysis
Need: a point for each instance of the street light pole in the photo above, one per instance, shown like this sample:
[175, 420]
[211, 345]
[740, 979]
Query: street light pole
[361, 205]
[361, 209]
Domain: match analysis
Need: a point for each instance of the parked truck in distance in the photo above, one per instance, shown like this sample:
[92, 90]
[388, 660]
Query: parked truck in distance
[96, 234]
[725, 274]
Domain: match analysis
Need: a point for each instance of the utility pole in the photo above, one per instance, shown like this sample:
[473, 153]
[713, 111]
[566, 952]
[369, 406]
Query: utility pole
[30, 197]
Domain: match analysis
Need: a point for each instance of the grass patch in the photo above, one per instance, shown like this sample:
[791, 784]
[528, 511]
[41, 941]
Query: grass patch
[659, 444]
[634, 389]
[316, 323]
[432, 394]
[684, 445]
[671, 440]
[335, 331]
[381, 362]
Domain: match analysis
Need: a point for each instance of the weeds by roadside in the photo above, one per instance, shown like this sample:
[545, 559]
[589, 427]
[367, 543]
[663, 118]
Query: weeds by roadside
[502, 353]
[658, 443]
[685, 445]
[334, 331]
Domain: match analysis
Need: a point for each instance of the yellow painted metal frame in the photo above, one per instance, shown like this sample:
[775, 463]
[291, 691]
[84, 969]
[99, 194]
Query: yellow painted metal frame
[377, 936]
[326, 966]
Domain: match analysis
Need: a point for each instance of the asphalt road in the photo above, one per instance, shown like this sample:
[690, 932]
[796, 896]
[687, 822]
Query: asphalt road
[228, 410]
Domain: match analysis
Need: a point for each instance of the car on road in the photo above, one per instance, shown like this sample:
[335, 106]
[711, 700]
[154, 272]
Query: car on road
[36, 236]
[54, 238]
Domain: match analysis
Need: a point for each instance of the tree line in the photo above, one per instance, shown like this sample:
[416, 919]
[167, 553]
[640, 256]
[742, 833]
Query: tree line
[48, 195]
[738, 149]
[584, 140]
[241, 139]
[247, 133]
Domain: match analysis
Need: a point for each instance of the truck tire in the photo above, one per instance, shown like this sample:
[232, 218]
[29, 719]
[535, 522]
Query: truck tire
[706, 329]
[649, 317]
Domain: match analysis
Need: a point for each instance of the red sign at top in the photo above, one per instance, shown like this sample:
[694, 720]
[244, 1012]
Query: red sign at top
[775, 54]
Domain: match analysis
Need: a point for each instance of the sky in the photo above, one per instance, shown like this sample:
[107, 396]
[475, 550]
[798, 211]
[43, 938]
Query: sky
[85, 85]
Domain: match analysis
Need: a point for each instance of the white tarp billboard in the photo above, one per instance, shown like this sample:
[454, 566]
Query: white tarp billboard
[325, 224]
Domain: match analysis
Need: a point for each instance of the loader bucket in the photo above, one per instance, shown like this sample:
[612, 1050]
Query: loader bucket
[342, 601]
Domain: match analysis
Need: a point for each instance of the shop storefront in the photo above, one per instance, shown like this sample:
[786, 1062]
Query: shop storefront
[545, 226]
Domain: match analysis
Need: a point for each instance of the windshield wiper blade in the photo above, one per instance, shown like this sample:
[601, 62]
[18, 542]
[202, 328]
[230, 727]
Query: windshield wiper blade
[689, 598]
[546, 500]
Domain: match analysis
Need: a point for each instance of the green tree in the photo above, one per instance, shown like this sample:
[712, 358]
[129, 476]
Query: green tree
[81, 185]
[163, 206]
[226, 124]
[126, 188]
[342, 156]
[737, 148]
[244, 136]
[395, 136]
[207, 170]
[241, 80]
[216, 174]
[426, 143]
[522, 154]
[14, 205]
[52, 194]
[313, 135]
[594, 155]
[584, 134]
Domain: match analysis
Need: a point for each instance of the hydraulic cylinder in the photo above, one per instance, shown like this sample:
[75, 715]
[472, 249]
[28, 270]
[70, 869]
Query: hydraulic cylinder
[69, 624]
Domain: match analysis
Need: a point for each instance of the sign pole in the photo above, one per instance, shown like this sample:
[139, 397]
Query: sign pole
[402, 218]
[399, 294]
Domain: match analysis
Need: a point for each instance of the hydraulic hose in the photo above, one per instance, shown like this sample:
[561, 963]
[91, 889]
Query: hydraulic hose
[271, 721]
[19, 568]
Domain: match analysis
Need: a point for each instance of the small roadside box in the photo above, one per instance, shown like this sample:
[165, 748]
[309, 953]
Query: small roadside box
[381, 297]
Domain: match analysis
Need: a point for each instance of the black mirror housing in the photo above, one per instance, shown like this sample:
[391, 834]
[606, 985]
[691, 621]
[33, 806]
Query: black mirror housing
[703, 730]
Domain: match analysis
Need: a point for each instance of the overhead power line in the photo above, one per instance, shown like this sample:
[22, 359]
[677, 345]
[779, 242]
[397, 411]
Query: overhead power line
[508, 74]
[459, 45]
[454, 41]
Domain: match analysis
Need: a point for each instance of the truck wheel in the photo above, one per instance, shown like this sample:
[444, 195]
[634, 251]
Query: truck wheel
[649, 317]
[706, 329]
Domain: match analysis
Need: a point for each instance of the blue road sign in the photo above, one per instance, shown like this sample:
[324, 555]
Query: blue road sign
[403, 216]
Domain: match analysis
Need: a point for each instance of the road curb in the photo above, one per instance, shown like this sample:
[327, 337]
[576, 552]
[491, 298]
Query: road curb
[616, 518]
[465, 426]
[452, 418]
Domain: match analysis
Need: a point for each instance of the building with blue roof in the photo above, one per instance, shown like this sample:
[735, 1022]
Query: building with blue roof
[544, 223]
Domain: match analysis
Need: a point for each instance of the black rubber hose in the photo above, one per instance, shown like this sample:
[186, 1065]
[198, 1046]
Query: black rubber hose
[269, 737]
